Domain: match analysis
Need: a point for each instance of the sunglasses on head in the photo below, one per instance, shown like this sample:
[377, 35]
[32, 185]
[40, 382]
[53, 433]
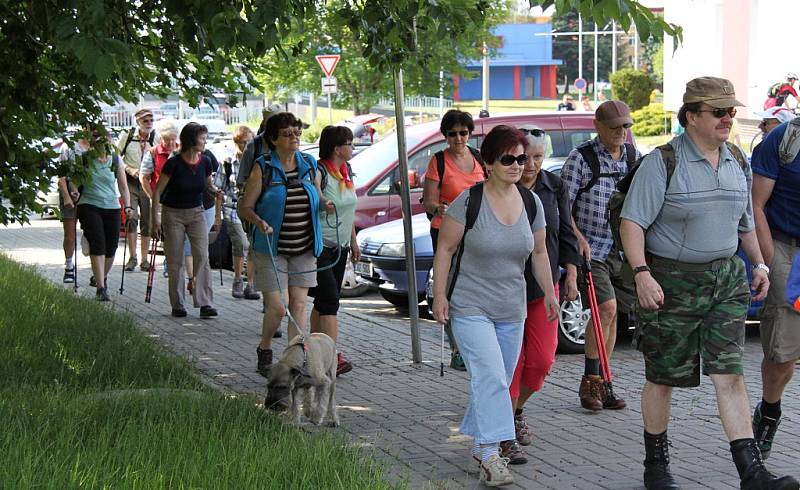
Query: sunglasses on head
[533, 132]
[720, 113]
[507, 160]
[453, 134]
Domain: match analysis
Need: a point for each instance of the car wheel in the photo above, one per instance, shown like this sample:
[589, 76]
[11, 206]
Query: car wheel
[398, 299]
[572, 322]
[350, 287]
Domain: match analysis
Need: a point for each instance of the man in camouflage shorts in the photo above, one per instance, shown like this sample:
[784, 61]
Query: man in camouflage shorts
[687, 207]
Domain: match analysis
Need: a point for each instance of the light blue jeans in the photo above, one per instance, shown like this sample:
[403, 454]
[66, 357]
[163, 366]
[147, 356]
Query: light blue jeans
[208, 214]
[490, 351]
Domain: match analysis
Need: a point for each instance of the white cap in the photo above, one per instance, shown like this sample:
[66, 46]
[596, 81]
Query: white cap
[791, 74]
[782, 114]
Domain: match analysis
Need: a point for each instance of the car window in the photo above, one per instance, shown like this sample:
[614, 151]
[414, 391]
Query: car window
[419, 160]
[575, 138]
[385, 185]
[375, 159]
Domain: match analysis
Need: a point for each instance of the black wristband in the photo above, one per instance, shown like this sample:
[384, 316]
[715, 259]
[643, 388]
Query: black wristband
[129, 207]
[641, 268]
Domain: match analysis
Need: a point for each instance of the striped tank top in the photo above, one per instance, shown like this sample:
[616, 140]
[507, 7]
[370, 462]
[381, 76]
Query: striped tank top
[296, 234]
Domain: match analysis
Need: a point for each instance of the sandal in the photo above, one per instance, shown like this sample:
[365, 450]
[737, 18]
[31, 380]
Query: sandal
[69, 276]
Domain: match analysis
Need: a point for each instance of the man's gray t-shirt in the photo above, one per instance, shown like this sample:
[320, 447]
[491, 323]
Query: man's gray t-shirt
[700, 216]
[491, 279]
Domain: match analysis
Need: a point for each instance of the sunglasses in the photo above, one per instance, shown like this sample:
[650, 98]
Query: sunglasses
[507, 160]
[533, 132]
[453, 134]
[720, 113]
[626, 126]
[288, 133]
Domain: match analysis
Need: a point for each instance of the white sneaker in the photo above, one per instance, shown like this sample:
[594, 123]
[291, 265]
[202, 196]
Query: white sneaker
[494, 471]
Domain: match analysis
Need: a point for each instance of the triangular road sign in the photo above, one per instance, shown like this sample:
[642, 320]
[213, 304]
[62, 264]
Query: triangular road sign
[328, 63]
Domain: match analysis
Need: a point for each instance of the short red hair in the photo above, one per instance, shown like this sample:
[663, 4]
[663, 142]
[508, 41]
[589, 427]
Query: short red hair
[500, 140]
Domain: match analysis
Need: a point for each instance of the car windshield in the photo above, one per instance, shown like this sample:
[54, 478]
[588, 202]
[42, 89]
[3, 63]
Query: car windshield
[375, 159]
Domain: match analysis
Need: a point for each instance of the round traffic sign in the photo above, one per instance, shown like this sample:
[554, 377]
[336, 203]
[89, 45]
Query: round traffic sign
[580, 84]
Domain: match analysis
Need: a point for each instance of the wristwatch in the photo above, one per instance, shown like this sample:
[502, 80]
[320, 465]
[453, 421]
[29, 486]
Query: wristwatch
[641, 268]
[763, 267]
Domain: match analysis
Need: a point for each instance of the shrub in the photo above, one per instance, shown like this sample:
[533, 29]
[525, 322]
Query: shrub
[632, 87]
[651, 120]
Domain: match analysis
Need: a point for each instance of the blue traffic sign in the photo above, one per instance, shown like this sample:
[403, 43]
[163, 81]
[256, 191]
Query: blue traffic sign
[580, 84]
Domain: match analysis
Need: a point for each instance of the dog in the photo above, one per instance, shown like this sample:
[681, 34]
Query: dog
[307, 371]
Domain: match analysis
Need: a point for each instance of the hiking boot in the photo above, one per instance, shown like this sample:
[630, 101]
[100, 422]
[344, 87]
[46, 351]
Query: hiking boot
[144, 266]
[656, 463]
[342, 364]
[208, 312]
[93, 281]
[521, 429]
[753, 474]
[69, 276]
[264, 361]
[102, 294]
[610, 400]
[178, 312]
[764, 429]
[511, 450]
[278, 334]
[494, 471]
[250, 293]
[457, 362]
[591, 392]
[237, 290]
[131, 265]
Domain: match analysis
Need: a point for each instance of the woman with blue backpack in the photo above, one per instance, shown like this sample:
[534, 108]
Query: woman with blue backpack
[282, 202]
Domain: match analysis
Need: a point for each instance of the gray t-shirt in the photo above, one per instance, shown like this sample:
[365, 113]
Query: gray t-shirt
[491, 279]
[700, 216]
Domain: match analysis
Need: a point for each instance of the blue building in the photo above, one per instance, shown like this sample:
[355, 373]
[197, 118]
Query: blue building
[522, 68]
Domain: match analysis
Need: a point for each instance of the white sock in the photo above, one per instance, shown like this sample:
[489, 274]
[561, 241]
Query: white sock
[489, 450]
[476, 449]
[69, 263]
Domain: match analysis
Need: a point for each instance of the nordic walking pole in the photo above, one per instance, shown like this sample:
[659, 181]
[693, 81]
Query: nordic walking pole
[219, 253]
[441, 354]
[151, 270]
[75, 254]
[124, 252]
[598, 327]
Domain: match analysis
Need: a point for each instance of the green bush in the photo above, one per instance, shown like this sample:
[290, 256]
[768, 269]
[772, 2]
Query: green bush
[651, 120]
[632, 87]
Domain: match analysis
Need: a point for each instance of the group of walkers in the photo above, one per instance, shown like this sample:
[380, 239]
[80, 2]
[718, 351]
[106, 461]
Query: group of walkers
[687, 207]
[289, 218]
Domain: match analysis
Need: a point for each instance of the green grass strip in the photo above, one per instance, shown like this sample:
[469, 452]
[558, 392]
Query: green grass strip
[87, 401]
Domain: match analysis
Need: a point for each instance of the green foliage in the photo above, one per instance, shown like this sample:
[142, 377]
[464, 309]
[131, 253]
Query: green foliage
[88, 401]
[632, 87]
[651, 120]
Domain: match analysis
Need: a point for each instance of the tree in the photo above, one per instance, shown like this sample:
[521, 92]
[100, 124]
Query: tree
[65, 57]
[632, 87]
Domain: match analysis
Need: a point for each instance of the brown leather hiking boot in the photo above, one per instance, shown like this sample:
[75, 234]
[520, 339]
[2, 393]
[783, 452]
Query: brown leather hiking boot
[610, 400]
[591, 392]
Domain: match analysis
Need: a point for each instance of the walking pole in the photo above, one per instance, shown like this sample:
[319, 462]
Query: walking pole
[441, 354]
[598, 327]
[124, 252]
[75, 254]
[151, 271]
[219, 253]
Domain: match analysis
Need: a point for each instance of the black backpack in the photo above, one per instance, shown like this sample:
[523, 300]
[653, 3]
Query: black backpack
[129, 139]
[617, 199]
[473, 208]
[590, 157]
[440, 166]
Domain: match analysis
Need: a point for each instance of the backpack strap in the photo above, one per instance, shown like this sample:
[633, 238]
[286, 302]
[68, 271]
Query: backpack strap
[473, 208]
[128, 140]
[738, 155]
[790, 143]
[477, 156]
[630, 154]
[529, 201]
[440, 167]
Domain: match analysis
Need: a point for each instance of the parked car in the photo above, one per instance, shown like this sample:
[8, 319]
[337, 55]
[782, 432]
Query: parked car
[376, 168]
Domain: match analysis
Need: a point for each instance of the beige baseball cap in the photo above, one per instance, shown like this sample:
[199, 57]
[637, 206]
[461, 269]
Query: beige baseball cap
[716, 92]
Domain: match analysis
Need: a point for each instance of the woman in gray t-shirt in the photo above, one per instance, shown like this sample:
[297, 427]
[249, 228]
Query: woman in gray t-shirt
[487, 306]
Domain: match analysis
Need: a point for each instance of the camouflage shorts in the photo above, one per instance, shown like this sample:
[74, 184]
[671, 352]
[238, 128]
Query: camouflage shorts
[703, 317]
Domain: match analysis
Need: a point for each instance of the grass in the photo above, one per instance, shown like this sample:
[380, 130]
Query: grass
[88, 401]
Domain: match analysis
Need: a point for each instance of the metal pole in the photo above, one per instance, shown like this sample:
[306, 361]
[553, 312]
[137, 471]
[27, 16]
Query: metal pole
[485, 76]
[330, 110]
[594, 87]
[580, 46]
[405, 200]
[635, 48]
[313, 102]
[613, 46]
[441, 93]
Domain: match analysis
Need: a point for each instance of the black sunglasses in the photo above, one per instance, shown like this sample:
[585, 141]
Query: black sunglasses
[507, 160]
[720, 113]
[453, 134]
[533, 132]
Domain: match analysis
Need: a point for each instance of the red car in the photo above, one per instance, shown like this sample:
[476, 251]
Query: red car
[376, 168]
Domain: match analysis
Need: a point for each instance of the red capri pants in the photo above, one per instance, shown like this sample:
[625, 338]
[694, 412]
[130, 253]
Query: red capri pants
[539, 343]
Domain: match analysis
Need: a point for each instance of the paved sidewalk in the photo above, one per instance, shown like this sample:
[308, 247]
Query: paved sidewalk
[411, 415]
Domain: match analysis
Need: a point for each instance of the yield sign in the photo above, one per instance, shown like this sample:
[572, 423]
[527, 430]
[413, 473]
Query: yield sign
[328, 63]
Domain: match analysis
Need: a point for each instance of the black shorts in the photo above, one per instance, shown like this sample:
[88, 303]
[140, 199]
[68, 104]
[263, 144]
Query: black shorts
[329, 281]
[101, 227]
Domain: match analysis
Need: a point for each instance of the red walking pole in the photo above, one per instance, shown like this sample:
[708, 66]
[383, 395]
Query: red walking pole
[597, 325]
[151, 270]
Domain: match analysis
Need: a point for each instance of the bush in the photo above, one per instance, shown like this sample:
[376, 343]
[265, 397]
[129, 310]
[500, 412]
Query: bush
[632, 87]
[651, 120]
